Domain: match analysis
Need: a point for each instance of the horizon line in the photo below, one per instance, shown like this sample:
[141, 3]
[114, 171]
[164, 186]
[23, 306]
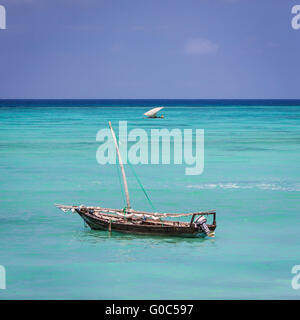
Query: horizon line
[191, 99]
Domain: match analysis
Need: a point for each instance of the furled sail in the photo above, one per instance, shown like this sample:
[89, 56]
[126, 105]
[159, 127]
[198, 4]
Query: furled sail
[121, 211]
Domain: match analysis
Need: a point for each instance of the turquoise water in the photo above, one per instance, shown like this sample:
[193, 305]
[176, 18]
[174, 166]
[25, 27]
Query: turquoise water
[251, 177]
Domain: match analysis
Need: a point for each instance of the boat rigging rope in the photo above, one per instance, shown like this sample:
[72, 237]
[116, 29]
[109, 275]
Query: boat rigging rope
[140, 183]
[138, 180]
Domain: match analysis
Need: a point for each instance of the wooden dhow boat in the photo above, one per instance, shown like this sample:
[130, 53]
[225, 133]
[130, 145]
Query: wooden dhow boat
[128, 220]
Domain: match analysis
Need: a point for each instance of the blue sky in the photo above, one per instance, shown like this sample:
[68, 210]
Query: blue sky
[185, 49]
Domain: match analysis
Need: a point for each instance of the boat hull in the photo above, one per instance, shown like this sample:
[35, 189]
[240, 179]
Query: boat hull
[160, 229]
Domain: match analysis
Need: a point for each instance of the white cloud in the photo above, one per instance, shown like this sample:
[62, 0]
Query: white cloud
[200, 46]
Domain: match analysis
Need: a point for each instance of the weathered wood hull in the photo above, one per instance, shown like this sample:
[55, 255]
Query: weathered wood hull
[164, 228]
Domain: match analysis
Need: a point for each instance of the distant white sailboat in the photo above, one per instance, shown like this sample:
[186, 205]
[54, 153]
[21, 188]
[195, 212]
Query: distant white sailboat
[153, 113]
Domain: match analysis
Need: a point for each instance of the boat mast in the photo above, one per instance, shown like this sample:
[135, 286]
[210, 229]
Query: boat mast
[121, 165]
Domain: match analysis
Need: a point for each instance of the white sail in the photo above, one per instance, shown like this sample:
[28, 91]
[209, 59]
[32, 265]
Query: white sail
[153, 112]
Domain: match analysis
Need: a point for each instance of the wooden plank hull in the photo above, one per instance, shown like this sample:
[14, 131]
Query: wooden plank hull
[165, 228]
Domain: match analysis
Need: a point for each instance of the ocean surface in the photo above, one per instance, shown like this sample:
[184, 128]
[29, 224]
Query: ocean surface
[251, 177]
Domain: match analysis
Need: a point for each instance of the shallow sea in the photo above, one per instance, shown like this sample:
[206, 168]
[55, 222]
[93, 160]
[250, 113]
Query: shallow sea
[251, 177]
